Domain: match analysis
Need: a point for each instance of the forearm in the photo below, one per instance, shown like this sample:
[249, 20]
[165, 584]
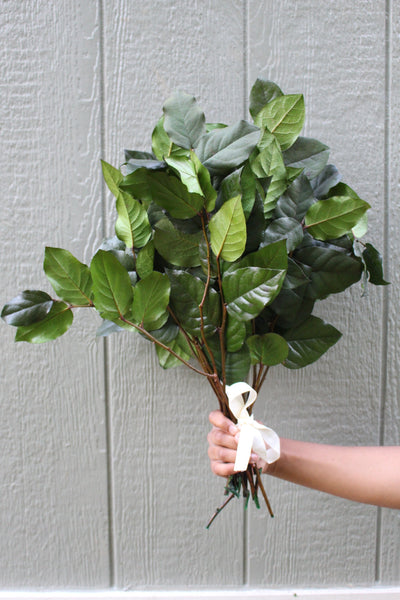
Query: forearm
[364, 474]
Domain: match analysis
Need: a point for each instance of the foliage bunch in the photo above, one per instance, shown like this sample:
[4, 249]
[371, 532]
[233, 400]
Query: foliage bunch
[226, 236]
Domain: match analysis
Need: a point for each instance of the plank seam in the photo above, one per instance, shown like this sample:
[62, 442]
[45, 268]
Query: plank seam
[106, 349]
[385, 307]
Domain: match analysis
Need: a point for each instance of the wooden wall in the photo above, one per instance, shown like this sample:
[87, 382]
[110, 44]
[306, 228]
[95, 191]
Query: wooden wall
[99, 489]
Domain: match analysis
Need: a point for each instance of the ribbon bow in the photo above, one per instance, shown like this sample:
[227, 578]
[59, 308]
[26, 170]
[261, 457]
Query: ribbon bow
[252, 434]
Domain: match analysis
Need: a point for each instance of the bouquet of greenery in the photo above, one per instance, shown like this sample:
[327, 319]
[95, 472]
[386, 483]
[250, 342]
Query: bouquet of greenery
[225, 238]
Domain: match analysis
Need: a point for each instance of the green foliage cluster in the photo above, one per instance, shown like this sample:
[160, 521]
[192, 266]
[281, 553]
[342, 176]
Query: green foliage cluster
[225, 238]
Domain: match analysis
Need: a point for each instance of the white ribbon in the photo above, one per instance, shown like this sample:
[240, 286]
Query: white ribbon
[252, 434]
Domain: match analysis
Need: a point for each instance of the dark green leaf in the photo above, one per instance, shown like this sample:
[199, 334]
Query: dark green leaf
[248, 186]
[150, 301]
[57, 322]
[28, 307]
[178, 248]
[228, 230]
[235, 334]
[296, 200]
[186, 294]
[212, 126]
[184, 120]
[170, 193]
[69, 277]
[112, 287]
[309, 341]
[332, 270]
[132, 225]
[296, 275]
[138, 154]
[123, 254]
[284, 117]
[161, 143]
[373, 263]
[145, 163]
[195, 177]
[255, 226]
[248, 290]
[262, 92]
[292, 307]
[307, 154]
[224, 150]
[328, 178]
[269, 349]
[237, 365]
[331, 218]
[284, 228]
[145, 260]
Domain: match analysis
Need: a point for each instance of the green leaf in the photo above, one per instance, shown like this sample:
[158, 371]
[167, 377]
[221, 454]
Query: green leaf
[195, 177]
[143, 163]
[235, 334]
[292, 306]
[28, 307]
[332, 270]
[237, 365]
[145, 260]
[331, 218]
[212, 126]
[273, 256]
[137, 185]
[373, 263]
[57, 322]
[112, 287]
[123, 254]
[186, 294]
[307, 154]
[228, 230]
[132, 225]
[269, 161]
[112, 177]
[184, 120]
[224, 150]
[361, 228]
[71, 279]
[284, 117]
[309, 341]
[150, 301]
[178, 248]
[269, 349]
[175, 340]
[170, 193]
[161, 143]
[284, 228]
[248, 290]
[262, 92]
[137, 154]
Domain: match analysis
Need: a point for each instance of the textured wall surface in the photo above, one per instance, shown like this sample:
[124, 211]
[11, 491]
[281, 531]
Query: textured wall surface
[98, 487]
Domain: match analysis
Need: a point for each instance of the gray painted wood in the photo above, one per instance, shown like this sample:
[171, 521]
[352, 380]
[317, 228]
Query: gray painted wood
[164, 492]
[53, 500]
[336, 56]
[389, 565]
[54, 505]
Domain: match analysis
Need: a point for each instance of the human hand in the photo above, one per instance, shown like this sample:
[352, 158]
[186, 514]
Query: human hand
[223, 441]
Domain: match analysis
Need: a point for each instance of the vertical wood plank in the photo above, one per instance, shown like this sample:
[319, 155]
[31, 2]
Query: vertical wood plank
[390, 532]
[164, 491]
[335, 55]
[53, 500]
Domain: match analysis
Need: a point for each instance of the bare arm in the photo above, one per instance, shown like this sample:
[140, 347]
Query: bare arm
[364, 474]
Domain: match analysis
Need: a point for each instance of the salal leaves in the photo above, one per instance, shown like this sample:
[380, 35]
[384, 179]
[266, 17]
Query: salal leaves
[184, 120]
[228, 230]
[309, 341]
[335, 216]
[71, 279]
[284, 117]
[150, 301]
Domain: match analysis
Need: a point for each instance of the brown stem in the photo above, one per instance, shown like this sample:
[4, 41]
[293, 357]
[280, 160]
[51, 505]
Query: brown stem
[201, 305]
[223, 324]
[219, 510]
[156, 341]
[264, 493]
[262, 379]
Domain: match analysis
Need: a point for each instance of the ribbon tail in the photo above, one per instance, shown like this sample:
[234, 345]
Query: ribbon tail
[245, 445]
[274, 444]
